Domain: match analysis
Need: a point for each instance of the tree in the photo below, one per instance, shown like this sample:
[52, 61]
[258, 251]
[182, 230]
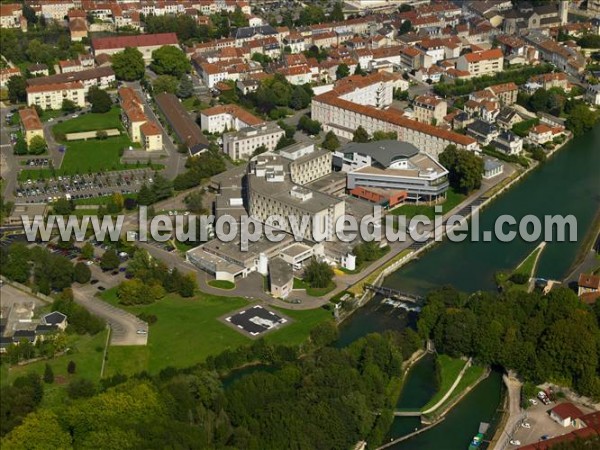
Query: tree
[169, 60]
[81, 273]
[405, 28]
[62, 207]
[17, 89]
[194, 202]
[342, 71]
[110, 260]
[30, 15]
[312, 127]
[101, 135]
[100, 100]
[130, 203]
[360, 135]
[71, 367]
[311, 14]
[300, 98]
[68, 106]
[186, 87]
[259, 150]
[318, 274]
[385, 136]
[87, 251]
[331, 142]
[581, 119]
[465, 167]
[359, 70]
[81, 388]
[20, 147]
[48, 374]
[128, 64]
[165, 83]
[161, 188]
[37, 145]
[145, 196]
[337, 13]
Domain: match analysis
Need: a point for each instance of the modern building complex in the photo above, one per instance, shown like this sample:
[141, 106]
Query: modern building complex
[30, 124]
[145, 43]
[51, 96]
[186, 130]
[390, 172]
[364, 101]
[242, 144]
[222, 118]
[138, 126]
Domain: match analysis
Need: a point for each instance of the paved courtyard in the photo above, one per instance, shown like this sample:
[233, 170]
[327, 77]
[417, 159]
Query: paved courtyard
[255, 320]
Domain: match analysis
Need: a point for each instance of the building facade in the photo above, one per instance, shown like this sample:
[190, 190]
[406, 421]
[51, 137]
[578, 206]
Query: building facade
[241, 144]
[51, 96]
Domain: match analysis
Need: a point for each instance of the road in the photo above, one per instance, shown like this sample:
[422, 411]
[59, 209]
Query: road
[515, 415]
[124, 325]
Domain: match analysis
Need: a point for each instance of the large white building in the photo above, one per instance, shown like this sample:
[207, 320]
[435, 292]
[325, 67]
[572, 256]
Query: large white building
[241, 144]
[101, 77]
[221, 118]
[364, 101]
[391, 171]
[51, 96]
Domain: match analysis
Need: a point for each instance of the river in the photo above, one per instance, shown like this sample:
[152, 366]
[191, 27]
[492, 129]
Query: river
[568, 183]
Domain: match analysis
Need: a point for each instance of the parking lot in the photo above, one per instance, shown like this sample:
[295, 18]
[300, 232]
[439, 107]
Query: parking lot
[256, 320]
[542, 427]
[83, 186]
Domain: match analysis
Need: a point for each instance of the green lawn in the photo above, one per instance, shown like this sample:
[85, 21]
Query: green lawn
[410, 210]
[51, 114]
[89, 122]
[449, 370]
[471, 375]
[103, 200]
[87, 353]
[188, 330]
[528, 265]
[300, 284]
[221, 284]
[320, 292]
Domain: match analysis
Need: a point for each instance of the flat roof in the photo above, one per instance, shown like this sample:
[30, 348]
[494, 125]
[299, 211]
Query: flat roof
[384, 152]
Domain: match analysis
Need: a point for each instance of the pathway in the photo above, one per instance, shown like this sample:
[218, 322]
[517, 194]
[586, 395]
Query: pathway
[515, 415]
[451, 390]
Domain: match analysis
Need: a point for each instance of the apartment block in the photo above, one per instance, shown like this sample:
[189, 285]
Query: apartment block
[429, 109]
[221, 118]
[138, 126]
[51, 96]
[487, 62]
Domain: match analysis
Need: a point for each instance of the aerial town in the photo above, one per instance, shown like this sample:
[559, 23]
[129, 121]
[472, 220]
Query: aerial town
[424, 120]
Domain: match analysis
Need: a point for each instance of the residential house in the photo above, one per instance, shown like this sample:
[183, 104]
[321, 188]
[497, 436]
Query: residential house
[542, 133]
[7, 74]
[429, 109]
[505, 92]
[482, 132]
[487, 62]
[566, 415]
[508, 143]
[588, 284]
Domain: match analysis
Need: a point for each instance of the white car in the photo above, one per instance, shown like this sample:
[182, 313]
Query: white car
[533, 401]
[515, 442]
[141, 332]
[526, 425]
[89, 263]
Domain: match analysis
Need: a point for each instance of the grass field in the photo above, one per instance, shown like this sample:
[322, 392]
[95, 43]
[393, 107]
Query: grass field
[51, 114]
[410, 210]
[527, 267]
[470, 376]
[188, 330]
[221, 284]
[449, 370]
[86, 351]
[89, 122]
[99, 200]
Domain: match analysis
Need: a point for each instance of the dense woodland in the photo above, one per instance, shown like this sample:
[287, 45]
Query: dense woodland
[322, 401]
[544, 338]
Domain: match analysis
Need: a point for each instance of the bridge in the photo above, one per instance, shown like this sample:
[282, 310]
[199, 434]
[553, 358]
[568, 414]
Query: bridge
[394, 294]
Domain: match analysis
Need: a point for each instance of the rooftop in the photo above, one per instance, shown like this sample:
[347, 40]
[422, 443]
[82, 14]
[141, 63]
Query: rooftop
[142, 40]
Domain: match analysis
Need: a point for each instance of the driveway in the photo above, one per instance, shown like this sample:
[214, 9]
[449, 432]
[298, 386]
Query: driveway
[123, 324]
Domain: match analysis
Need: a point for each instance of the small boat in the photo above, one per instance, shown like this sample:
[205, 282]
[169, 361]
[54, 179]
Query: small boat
[478, 438]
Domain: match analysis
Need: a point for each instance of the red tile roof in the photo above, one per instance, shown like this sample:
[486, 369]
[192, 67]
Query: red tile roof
[142, 40]
[150, 129]
[589, 281]
[494, 53]
[55, 87]
[567, 410]
[30, 119]
[235, 111]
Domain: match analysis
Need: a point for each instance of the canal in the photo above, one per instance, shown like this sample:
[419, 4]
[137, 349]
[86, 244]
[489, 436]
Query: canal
[568, 183]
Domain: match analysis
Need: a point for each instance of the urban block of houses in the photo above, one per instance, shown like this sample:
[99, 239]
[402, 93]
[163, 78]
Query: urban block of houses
[221, 118]
[51, 96]
[241, 144]
[145, 43]
[391, 172]
[30, 124]
[17, 325]
[140, 129]
[187, 131]
[364, 101]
